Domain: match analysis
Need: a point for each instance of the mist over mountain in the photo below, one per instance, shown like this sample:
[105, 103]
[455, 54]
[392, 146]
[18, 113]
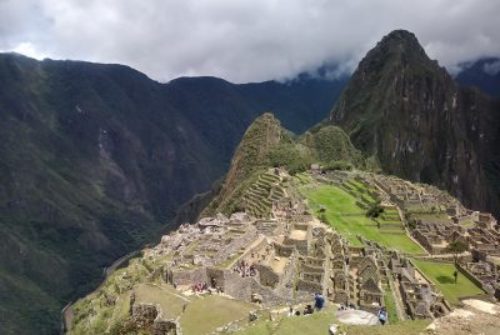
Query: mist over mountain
[483, 74]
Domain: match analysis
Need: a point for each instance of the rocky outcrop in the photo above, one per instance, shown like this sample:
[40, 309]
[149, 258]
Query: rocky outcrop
[406, 111]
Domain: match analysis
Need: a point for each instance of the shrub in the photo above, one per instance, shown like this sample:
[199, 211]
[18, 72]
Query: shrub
[374, 210]
[338, 165]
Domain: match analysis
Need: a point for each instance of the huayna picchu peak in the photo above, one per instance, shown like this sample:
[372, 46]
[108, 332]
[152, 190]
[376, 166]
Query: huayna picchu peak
[309, 206]
[407, 112]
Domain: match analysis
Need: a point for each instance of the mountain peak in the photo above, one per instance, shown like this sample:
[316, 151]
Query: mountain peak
[399, 47]
[400, 35]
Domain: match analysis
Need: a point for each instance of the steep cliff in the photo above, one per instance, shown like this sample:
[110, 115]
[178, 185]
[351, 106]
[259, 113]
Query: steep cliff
[404, 110]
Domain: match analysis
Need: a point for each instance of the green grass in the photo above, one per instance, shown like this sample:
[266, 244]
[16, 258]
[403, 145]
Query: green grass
[390, 305]
[318, 324]
[167, 297]
[204, 315]
[315, 324]
[404, 327]
[441, 275]
[349, 219]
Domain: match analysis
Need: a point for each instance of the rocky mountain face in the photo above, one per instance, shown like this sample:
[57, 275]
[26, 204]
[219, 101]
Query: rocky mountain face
[483, 74]
[404, 110]
[96, 159]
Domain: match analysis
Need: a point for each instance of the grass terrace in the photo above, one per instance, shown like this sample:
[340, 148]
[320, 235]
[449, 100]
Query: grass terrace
[318, 324]
[170, 301]
[441, 275]
[205, 315]
[346, 216]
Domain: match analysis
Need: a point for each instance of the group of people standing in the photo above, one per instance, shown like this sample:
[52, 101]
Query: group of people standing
[319, 303]
[245, 269]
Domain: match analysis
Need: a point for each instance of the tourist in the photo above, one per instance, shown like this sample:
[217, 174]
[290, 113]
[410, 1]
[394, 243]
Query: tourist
[382, 316]
[319, 301]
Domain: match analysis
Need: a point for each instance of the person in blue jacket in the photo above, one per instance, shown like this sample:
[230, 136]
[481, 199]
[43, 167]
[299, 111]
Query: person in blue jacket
[319, 301]
[382, 316]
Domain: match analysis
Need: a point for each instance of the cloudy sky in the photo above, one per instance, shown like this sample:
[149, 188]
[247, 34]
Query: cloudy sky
[243, 40]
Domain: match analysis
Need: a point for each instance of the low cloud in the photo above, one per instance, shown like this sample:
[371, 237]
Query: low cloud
[247, 40]
[492, 68]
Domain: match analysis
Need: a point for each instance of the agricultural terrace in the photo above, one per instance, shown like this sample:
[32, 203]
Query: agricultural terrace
[441, 274]
[345, 209]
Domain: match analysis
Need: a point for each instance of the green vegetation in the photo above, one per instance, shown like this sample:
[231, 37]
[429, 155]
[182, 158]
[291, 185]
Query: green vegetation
[318, 324]
[167, 297]
[315, 324]
[204, 315]
[413, 327]
[249, 161]
[441, 275]
[94, 314]
[374, 211]
[294, 157]
[390, 305]
[343, 212]
[330, 144]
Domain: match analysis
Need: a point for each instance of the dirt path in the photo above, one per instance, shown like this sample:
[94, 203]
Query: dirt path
[478, 317]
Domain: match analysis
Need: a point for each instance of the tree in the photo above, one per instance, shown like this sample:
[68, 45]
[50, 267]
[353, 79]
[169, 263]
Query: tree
[457, 247]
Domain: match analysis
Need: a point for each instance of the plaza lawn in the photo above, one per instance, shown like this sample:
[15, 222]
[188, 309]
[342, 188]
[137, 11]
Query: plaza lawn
[441, 275]
[349, 219]
[170, 301]
[318, 324]
[204, 315]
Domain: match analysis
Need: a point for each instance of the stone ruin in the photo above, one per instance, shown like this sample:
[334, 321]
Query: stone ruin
[287, 256]
[418, 293]
[284, 260]
[148, 317]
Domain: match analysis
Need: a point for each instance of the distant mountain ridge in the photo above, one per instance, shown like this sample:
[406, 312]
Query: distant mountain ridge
[96, 159]
[483, 74]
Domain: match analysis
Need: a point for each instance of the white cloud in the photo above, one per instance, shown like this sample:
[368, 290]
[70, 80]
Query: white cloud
[28, 49]
[492, 68]
[246, 40]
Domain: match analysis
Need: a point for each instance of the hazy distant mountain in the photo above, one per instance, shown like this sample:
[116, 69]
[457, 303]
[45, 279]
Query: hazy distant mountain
[95, 159]
[483, 74]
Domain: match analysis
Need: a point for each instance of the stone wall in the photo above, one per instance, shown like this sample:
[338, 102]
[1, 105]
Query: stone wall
[165, 327]
[189, 277]
[143, 315]
[267, 276]
[309, 286]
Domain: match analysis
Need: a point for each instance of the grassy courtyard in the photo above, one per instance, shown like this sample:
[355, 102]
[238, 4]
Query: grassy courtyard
[318, 324]
[441, 275]
[204, 315]
[349, 219]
